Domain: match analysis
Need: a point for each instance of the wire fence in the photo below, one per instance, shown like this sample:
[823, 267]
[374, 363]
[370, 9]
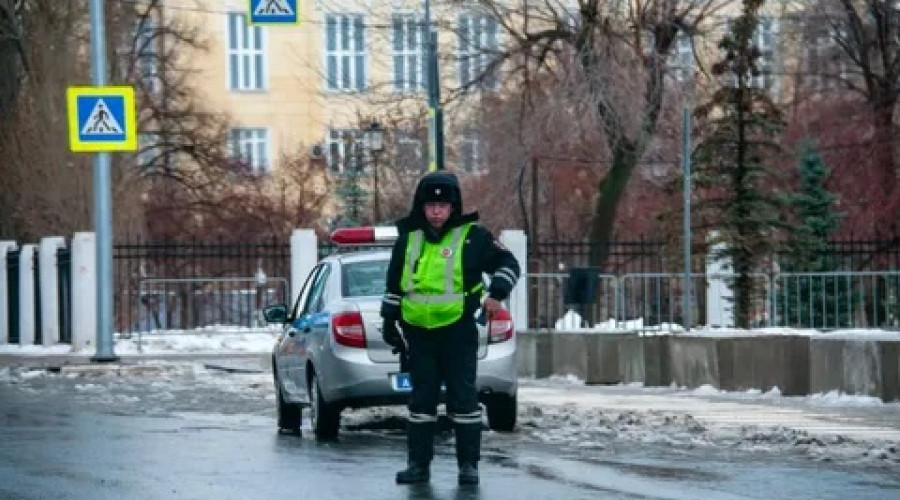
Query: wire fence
[656, 301]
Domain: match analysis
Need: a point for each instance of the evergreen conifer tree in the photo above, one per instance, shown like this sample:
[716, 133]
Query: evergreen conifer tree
[739, 127]
[812, 301]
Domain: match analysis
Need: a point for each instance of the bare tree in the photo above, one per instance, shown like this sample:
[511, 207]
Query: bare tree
[182, 169]
[617, 56]
[12, 52]
[44, 189]
[865, 60]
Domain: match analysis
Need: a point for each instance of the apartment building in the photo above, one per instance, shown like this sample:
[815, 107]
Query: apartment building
[311, 87]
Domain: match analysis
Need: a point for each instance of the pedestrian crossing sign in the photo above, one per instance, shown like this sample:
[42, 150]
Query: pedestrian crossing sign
[101, 119]
[274, 11]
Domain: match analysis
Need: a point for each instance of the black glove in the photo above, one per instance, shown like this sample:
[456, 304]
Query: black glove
[391, 335]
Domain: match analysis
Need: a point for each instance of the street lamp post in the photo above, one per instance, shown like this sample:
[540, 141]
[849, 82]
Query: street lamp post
[373, 137]
[350, 190]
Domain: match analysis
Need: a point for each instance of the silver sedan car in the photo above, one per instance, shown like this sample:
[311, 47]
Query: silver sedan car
[330, 354]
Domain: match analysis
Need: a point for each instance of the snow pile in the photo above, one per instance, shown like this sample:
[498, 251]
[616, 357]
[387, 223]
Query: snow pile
[199, 341]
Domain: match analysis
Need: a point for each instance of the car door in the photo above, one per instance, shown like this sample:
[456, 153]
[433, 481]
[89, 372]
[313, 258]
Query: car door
[307, 327]
[293, 348]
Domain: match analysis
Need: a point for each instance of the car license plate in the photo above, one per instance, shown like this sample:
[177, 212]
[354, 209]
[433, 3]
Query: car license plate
[401, 382]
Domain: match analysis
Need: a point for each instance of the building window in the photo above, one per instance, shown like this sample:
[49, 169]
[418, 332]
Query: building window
[151, 151]
[683, 59]
[345, 52]
[409, 153]
[826, 66]
[470, 155]
[407, 38]
[478, 46]
[147, 55]
[246, 56]
[249, 147]
[340, 143]
[570, 14]
[764, 40]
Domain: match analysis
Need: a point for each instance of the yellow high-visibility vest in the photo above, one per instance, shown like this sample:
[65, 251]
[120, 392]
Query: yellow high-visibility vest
[432, 280]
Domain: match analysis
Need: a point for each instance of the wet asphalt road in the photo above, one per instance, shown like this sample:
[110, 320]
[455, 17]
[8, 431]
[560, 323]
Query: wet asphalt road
[192, 433]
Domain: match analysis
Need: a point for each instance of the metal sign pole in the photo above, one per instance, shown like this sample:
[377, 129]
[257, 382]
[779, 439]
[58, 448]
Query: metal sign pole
[435, 113]
[102, 200]
[686, 160]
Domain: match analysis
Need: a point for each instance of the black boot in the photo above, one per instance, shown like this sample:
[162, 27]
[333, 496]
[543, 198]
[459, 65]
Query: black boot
[468, 473]
[415, 473]
[468, 451]
[420, 446]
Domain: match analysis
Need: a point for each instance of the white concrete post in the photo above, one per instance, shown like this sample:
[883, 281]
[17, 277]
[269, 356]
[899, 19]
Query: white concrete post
[26, 294]
[517, 243]
[5, 248]
[719, 305]
[48, 269]
[304, 256]
[84, 290]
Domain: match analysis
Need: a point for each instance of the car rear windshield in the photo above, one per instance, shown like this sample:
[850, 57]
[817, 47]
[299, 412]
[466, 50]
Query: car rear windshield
[364, 278]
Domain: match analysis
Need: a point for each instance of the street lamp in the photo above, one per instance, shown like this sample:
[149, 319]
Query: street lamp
[373, 139]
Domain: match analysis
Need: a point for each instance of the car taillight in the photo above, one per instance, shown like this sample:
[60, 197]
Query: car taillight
[348, 329]
[500, 328]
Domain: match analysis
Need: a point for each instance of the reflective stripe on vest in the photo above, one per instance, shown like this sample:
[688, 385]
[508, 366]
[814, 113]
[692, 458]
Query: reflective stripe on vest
[432, 279]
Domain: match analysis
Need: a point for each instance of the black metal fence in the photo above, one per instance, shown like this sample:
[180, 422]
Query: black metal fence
[64, 291]
[867, 255]
[12, 294]
[650, 256]
[13, 261]
[138, 261]
[557, 264]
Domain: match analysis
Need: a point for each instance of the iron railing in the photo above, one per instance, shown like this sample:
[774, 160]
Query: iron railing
[190, 303]
[655, 301]
[140, 261]
[64, 291]
[837, 299]
[12, 294]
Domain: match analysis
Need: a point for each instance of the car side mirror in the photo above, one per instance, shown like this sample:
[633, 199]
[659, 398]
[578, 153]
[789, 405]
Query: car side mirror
[277, 313]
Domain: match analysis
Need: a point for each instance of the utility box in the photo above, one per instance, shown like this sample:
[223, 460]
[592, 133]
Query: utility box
[582, 285]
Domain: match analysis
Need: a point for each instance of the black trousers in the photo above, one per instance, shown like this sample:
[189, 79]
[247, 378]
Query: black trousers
[445, 356]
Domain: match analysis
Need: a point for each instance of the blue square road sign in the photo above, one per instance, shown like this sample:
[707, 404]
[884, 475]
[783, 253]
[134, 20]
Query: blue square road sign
[274, 11]
[101, 119]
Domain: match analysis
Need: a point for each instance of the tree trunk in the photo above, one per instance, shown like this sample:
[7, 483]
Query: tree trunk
[609, 194]
[884, 147]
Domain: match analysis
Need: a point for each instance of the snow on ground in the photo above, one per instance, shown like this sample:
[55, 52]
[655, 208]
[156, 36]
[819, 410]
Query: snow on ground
[560, 411]
[209, 340]
[827, 427]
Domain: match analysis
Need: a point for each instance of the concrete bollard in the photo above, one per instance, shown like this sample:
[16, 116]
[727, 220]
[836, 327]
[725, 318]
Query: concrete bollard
[603, 358]
[49, 276]
[694, 361]
[644, 359]
[890, 372]
[765, 362]
[84, 290]
[569, 354]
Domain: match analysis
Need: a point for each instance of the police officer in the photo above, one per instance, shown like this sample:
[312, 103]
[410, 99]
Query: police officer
[434, 288]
